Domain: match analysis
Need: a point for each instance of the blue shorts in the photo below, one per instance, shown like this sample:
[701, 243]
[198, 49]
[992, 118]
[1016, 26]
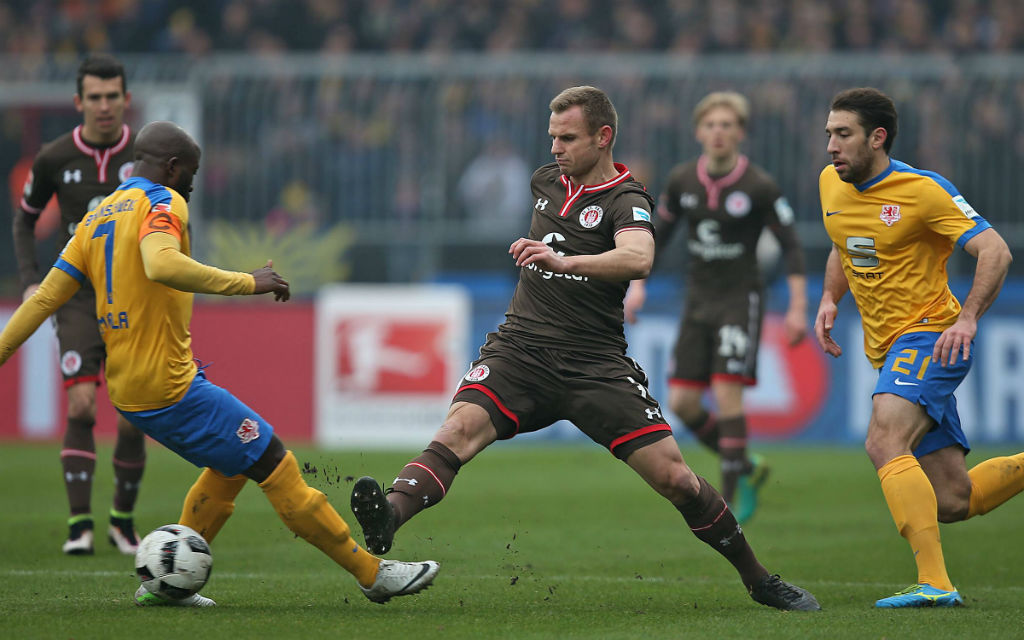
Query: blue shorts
[909, 373]
[209, 427]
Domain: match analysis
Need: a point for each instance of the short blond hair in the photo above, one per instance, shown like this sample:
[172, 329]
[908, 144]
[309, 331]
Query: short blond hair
[598, 109]
[731, 99]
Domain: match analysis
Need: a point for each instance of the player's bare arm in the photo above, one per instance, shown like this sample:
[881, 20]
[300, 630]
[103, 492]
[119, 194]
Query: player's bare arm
[796, 315]
[23, 226]
[631, 258]
[994, 259]
[636, 297]
[834, 288]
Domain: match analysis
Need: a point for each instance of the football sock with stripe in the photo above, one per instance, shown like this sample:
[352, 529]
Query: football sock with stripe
[995, 481]
[78, 461]
[129, 464]
[308, 514]
[210, 502]
[705, 429]
[914, 509]
[78, 524]
[423, 482]
[713, 523]
[732, 447]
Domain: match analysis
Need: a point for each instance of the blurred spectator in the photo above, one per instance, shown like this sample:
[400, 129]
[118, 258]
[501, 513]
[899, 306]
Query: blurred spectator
[297, 208]
[199, 26]
[495, 192]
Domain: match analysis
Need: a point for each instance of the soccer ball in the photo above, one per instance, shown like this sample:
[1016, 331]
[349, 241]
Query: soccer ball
[173, 562]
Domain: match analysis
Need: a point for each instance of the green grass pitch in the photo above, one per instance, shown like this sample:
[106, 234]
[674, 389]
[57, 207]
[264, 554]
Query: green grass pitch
[534, 542]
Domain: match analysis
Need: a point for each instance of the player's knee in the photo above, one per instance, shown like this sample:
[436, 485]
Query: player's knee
[466, 432]
[689, 412]
[953, 513]
[880, 449]
[127, 432]
[954, 503]
[677, 483]
[82, 408]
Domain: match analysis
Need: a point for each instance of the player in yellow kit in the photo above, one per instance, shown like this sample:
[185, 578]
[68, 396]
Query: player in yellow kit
[893, 227]
[134, 248]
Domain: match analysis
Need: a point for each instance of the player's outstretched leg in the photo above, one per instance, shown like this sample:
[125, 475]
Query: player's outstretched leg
[995, 481]
[421, 483]
[374, 514]
[713, 523]
[307, 513]
[144, 598]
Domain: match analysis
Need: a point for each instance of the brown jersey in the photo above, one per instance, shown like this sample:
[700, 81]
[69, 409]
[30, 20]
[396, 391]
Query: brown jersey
[725, 216]
[81, 175]
[568, 311]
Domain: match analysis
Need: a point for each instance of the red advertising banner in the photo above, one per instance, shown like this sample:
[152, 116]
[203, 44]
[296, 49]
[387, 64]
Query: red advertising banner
[259, 350]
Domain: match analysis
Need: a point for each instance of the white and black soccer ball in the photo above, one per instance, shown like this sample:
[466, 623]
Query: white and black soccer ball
[173, 562]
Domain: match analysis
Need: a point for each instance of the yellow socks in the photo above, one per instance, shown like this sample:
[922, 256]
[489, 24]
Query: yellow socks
[210, 502]
[914, 508]
[995, 481]
[307, 512]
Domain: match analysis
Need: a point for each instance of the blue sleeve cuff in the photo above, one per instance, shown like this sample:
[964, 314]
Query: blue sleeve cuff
[69, 269]
[970, 233]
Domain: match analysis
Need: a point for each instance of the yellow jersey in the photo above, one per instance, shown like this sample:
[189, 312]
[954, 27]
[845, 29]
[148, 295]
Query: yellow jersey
[143, 323]
[894, 235]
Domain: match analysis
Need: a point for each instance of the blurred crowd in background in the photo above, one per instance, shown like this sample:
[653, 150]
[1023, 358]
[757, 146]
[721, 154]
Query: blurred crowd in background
[335, 129]
[198, 27]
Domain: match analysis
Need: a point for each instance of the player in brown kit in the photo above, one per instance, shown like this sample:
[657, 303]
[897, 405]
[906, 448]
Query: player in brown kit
[727, 203]
[561, 352]
[81, 168]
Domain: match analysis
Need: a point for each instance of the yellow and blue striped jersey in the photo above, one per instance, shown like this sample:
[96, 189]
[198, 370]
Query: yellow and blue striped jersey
[144, 324]
[894, 235]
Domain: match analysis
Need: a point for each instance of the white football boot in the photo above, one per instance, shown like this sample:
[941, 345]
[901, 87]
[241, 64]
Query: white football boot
[144, 598]
[396, 578]
[126, 541]
[80, 546]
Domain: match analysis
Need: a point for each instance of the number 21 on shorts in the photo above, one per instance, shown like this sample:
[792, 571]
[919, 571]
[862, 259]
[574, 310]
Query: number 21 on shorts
[907, 363]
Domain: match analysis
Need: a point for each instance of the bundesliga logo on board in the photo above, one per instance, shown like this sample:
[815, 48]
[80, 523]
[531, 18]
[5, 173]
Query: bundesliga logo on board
[890, 214]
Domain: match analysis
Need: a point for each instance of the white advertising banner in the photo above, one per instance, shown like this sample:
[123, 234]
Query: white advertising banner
[388, 359]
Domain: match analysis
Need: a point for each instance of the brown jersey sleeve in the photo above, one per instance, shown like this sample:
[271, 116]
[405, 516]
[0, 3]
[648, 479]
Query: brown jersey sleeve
[39, 188]
[669, 212]
[779, 220]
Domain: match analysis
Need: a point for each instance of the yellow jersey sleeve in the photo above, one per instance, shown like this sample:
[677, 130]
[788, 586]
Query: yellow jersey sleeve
[56, 288]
